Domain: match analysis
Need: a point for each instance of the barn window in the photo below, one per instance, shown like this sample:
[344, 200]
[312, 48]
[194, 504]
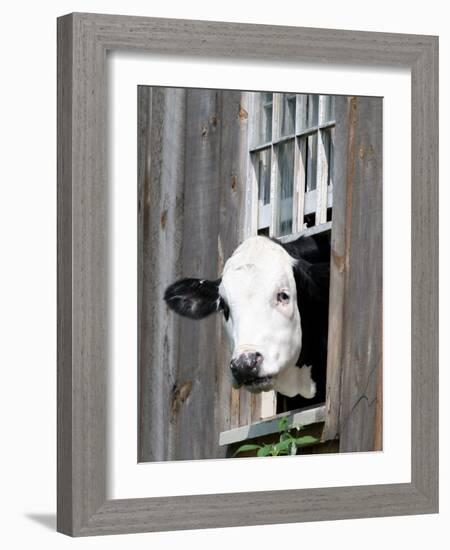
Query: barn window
[291, 145]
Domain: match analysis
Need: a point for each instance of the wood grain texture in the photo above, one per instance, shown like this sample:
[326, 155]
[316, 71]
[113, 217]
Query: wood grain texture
[65, 449]
[256, 508]
[199, 259]
[425, 272]
[355, 348]
[361, 149]
[338, 268]
[82, 299]
[233, 126]
[162, 129]
[192, 169]
[83, 243]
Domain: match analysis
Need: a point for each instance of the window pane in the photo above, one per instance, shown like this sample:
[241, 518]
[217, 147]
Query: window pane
[285, 187]
[309, 111]
[263, 159]
[302, 115]
[287, 114]
[328, 111]
[264, 105]
[311, 162]
[313, 110]
[262, 165]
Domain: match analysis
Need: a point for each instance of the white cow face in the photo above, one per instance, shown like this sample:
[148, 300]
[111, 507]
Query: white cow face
[258, 289]
[258, 297]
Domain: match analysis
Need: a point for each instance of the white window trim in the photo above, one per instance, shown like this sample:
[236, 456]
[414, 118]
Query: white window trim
[316, 201]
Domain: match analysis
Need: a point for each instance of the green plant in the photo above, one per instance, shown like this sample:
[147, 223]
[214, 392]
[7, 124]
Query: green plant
[288, 443]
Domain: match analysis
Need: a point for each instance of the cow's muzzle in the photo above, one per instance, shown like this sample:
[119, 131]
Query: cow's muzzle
[245, 368]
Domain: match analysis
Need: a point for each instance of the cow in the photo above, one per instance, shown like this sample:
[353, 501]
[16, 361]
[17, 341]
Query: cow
[274, 300]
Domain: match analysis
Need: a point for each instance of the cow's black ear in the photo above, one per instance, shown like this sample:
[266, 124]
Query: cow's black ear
[193, 298]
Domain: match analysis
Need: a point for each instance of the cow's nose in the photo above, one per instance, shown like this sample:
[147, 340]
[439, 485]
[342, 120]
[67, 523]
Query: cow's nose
[245, 367]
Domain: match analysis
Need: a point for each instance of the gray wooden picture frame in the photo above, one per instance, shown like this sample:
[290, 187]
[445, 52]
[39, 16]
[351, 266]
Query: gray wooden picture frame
[83, 41]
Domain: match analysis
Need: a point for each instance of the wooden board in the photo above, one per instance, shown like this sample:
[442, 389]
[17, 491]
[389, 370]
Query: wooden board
[161, 139]
[362, 348]
[355, 347]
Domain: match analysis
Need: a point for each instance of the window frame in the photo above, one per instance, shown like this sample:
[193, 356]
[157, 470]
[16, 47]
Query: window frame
[322, 195]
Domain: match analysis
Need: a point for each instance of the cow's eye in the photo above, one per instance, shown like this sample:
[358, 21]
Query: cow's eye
[283, 297]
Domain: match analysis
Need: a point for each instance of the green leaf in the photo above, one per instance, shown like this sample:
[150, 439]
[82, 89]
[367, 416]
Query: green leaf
[283, 447]
[305, 440]
[283, 423]
[247, 447]
[265, 451]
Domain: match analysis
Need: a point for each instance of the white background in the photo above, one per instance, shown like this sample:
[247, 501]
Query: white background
[28, 273]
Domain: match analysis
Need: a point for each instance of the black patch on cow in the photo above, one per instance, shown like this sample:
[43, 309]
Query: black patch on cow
[312, 278]
[313, 249]
[194, 298]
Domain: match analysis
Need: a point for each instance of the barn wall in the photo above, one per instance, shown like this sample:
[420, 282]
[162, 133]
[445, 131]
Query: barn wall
[355, 351]
[161, 150]
[192, 170]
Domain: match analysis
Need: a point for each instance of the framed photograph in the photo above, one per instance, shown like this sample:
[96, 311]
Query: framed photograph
[247, 274]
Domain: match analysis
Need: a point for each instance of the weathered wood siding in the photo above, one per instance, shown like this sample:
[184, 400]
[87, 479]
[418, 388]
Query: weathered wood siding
[195, 430]
[354, 381]
[191, 186]
[162, 127]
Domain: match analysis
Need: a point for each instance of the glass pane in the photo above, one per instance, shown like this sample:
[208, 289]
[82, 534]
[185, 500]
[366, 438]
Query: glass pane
[311, 162]
[303, 105]
[285, 187]
[264, 105]
[328, 111]
[309, 111]
[287, 114]
[262, 165]
[312, 111]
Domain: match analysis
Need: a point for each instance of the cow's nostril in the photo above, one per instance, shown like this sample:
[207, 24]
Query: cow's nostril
[245, 367]
[256, 359]
[234, 365]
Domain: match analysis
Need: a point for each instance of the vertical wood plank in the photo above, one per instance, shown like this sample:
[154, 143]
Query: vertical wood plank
[233, 173]
[194, 419]
[343, 188]
[360, 298]
[160, 234]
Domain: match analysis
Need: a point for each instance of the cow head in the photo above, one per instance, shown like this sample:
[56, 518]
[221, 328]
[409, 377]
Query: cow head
[257, 295]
